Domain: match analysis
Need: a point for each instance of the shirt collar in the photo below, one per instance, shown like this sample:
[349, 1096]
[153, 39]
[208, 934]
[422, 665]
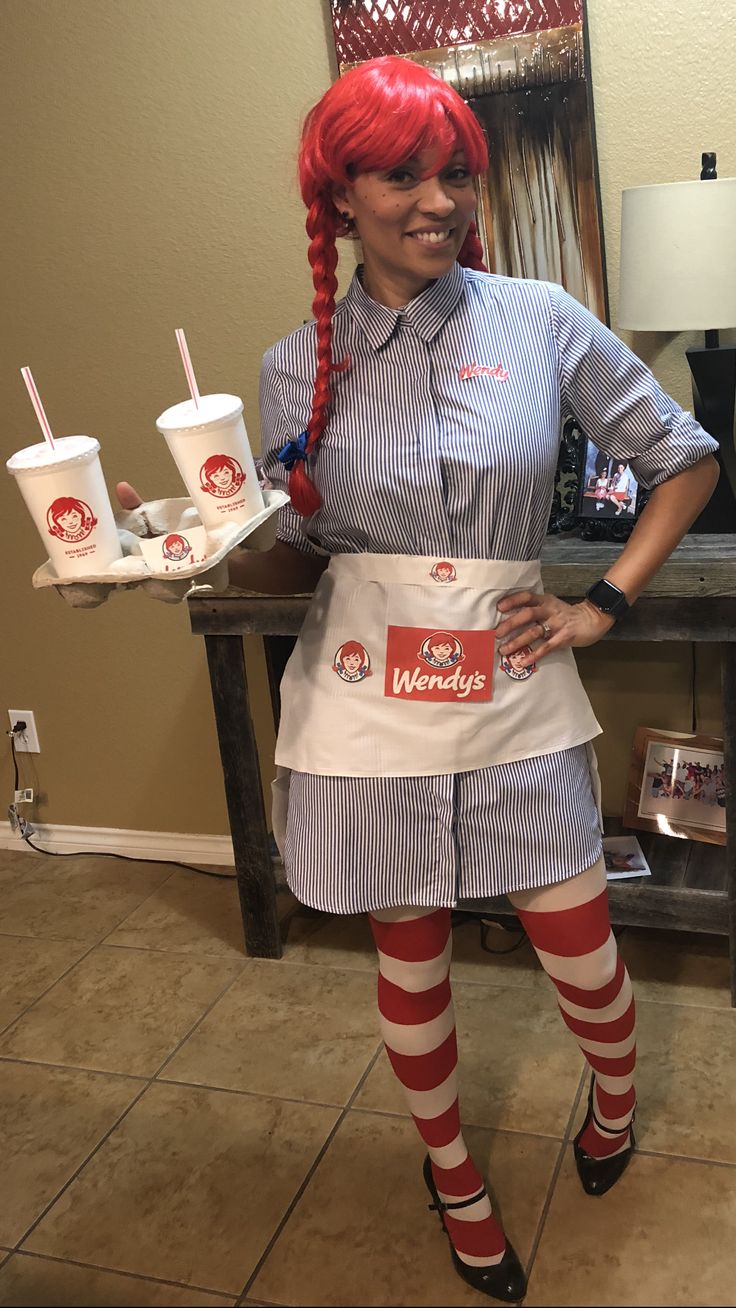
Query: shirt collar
[426, 313]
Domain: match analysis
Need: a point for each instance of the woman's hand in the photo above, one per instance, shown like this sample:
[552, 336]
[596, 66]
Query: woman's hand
[547, 623]
[128, 497]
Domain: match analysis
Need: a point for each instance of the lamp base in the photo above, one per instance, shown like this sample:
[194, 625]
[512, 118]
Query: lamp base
[714, 403]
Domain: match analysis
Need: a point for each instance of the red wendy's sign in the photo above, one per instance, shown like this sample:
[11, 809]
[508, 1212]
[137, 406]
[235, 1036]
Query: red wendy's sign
[437, 666]
[365, 29]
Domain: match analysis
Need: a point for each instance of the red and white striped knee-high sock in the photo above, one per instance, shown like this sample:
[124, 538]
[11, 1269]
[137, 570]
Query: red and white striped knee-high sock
[418, 1027]
[579, 953]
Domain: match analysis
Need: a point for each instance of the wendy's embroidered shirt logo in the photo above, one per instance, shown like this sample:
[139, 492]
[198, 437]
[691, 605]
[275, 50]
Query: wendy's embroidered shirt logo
[469, 370]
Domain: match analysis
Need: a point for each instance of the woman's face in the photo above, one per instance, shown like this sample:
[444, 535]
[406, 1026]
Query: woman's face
[223, 477]
[411, 228]
[441, 652]
[71, 521]
[352, 662]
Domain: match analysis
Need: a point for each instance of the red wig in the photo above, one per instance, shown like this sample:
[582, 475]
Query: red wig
[377, 116]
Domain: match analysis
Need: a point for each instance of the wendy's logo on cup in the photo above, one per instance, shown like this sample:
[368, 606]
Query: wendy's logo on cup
[352, 662]
[513, 666]
[443, 572]
[70, 519]
[221, 475]
[176, 547]
[441, 650]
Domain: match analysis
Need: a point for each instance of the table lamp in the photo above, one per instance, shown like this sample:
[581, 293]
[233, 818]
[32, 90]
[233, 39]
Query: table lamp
[678, 273]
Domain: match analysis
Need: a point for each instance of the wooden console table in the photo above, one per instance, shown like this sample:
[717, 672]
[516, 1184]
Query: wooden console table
[692, 598]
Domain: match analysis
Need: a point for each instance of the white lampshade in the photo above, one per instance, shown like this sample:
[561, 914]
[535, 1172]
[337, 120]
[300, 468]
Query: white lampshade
[678, 256]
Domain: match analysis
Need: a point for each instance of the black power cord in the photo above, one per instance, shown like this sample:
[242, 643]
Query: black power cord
[485, 923]
[88, 853]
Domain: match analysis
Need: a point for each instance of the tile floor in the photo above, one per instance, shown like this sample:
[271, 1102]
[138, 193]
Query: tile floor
[184, 1126]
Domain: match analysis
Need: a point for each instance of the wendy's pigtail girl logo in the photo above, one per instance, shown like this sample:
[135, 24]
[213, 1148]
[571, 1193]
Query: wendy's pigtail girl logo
[352, 662]
[70, 519]
[176, 547]
[513, 666]
[441, 650]
[443, 572]
[221, 476]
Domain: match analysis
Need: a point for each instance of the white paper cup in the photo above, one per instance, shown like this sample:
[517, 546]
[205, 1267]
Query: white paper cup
[210, 447]
[67, 498]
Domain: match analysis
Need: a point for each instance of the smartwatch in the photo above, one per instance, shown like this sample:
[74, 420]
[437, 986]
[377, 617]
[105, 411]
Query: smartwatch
[608, 598]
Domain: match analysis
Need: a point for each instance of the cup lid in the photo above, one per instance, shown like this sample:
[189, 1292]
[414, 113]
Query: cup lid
[213, 411]
[41, 458]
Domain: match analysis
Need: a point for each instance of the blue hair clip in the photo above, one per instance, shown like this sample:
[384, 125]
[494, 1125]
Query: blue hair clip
[293, 451]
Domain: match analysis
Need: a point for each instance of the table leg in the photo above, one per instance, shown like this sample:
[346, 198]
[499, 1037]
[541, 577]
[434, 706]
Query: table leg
[728, 679]
[239, 755]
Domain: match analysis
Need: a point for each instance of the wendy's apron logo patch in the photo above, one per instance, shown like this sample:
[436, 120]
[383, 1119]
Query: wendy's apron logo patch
[443, 572]
[439, 666]
[511, 664]
[352, 662]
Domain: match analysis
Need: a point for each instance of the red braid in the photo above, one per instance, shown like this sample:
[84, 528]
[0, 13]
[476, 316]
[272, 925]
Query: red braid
[321, 229]
[471, 251]
[376, 116]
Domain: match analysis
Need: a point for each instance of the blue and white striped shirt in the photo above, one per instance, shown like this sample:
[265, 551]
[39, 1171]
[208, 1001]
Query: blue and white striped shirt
[443, 440]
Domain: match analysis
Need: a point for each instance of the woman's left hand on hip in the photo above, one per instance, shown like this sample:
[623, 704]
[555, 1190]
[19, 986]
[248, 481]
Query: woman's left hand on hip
[547, 623]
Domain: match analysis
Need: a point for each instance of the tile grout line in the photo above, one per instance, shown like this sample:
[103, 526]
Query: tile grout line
[148, 1083]
[87, 1159]
[301, 1189]
[76, 963]
[198, 1023]
[116, 1271]
[555, 1174]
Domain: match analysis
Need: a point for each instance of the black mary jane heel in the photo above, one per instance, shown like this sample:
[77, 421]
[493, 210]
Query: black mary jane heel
[505, 1280]
[598, 1175]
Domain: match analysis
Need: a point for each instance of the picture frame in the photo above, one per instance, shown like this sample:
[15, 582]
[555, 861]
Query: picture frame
[574, 500]
[676, 785]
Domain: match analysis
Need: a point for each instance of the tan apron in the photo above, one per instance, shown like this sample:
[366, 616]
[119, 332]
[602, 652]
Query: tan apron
[396, 673]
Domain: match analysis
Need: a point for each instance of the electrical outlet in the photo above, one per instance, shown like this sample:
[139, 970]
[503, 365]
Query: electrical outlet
[27, 743]
[24, 796]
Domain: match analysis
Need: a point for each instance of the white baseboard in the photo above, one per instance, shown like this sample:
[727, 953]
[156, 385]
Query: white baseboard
[163, 845]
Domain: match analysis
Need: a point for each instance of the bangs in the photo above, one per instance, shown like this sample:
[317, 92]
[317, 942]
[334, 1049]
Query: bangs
[427, 119]
[387, 111]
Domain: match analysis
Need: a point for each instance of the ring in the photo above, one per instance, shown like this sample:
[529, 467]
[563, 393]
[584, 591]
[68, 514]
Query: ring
[546, 630]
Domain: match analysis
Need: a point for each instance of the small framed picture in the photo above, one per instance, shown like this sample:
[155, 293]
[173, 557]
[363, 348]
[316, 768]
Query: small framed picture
[677, 786]
[607, 488]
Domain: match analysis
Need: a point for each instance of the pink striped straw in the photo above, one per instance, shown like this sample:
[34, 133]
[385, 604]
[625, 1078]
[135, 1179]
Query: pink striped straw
[181, 341]
[27, 376]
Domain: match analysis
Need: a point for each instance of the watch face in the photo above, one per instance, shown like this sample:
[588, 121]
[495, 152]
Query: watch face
[607, 597]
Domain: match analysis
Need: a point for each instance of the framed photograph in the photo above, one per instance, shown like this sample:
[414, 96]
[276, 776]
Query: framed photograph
[624, 857]
[677, 786]
[608, 488]
[595, 495]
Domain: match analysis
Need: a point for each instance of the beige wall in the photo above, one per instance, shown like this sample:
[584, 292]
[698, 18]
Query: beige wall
[150, 148]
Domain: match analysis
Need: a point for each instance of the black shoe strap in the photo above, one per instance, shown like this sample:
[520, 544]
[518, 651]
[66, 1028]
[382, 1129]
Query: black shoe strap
[442, 1207]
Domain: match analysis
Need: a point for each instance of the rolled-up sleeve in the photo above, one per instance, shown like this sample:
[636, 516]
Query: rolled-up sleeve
[276, 430]
[616, 399]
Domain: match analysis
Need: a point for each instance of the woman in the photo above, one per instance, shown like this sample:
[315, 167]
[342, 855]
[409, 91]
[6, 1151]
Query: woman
[413, 418]
[621, 488]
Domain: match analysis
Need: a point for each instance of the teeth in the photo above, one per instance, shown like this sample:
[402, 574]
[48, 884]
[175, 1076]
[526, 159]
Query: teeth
[432, 238]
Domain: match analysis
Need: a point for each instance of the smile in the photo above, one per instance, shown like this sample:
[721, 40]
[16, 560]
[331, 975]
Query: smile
[432, 238]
